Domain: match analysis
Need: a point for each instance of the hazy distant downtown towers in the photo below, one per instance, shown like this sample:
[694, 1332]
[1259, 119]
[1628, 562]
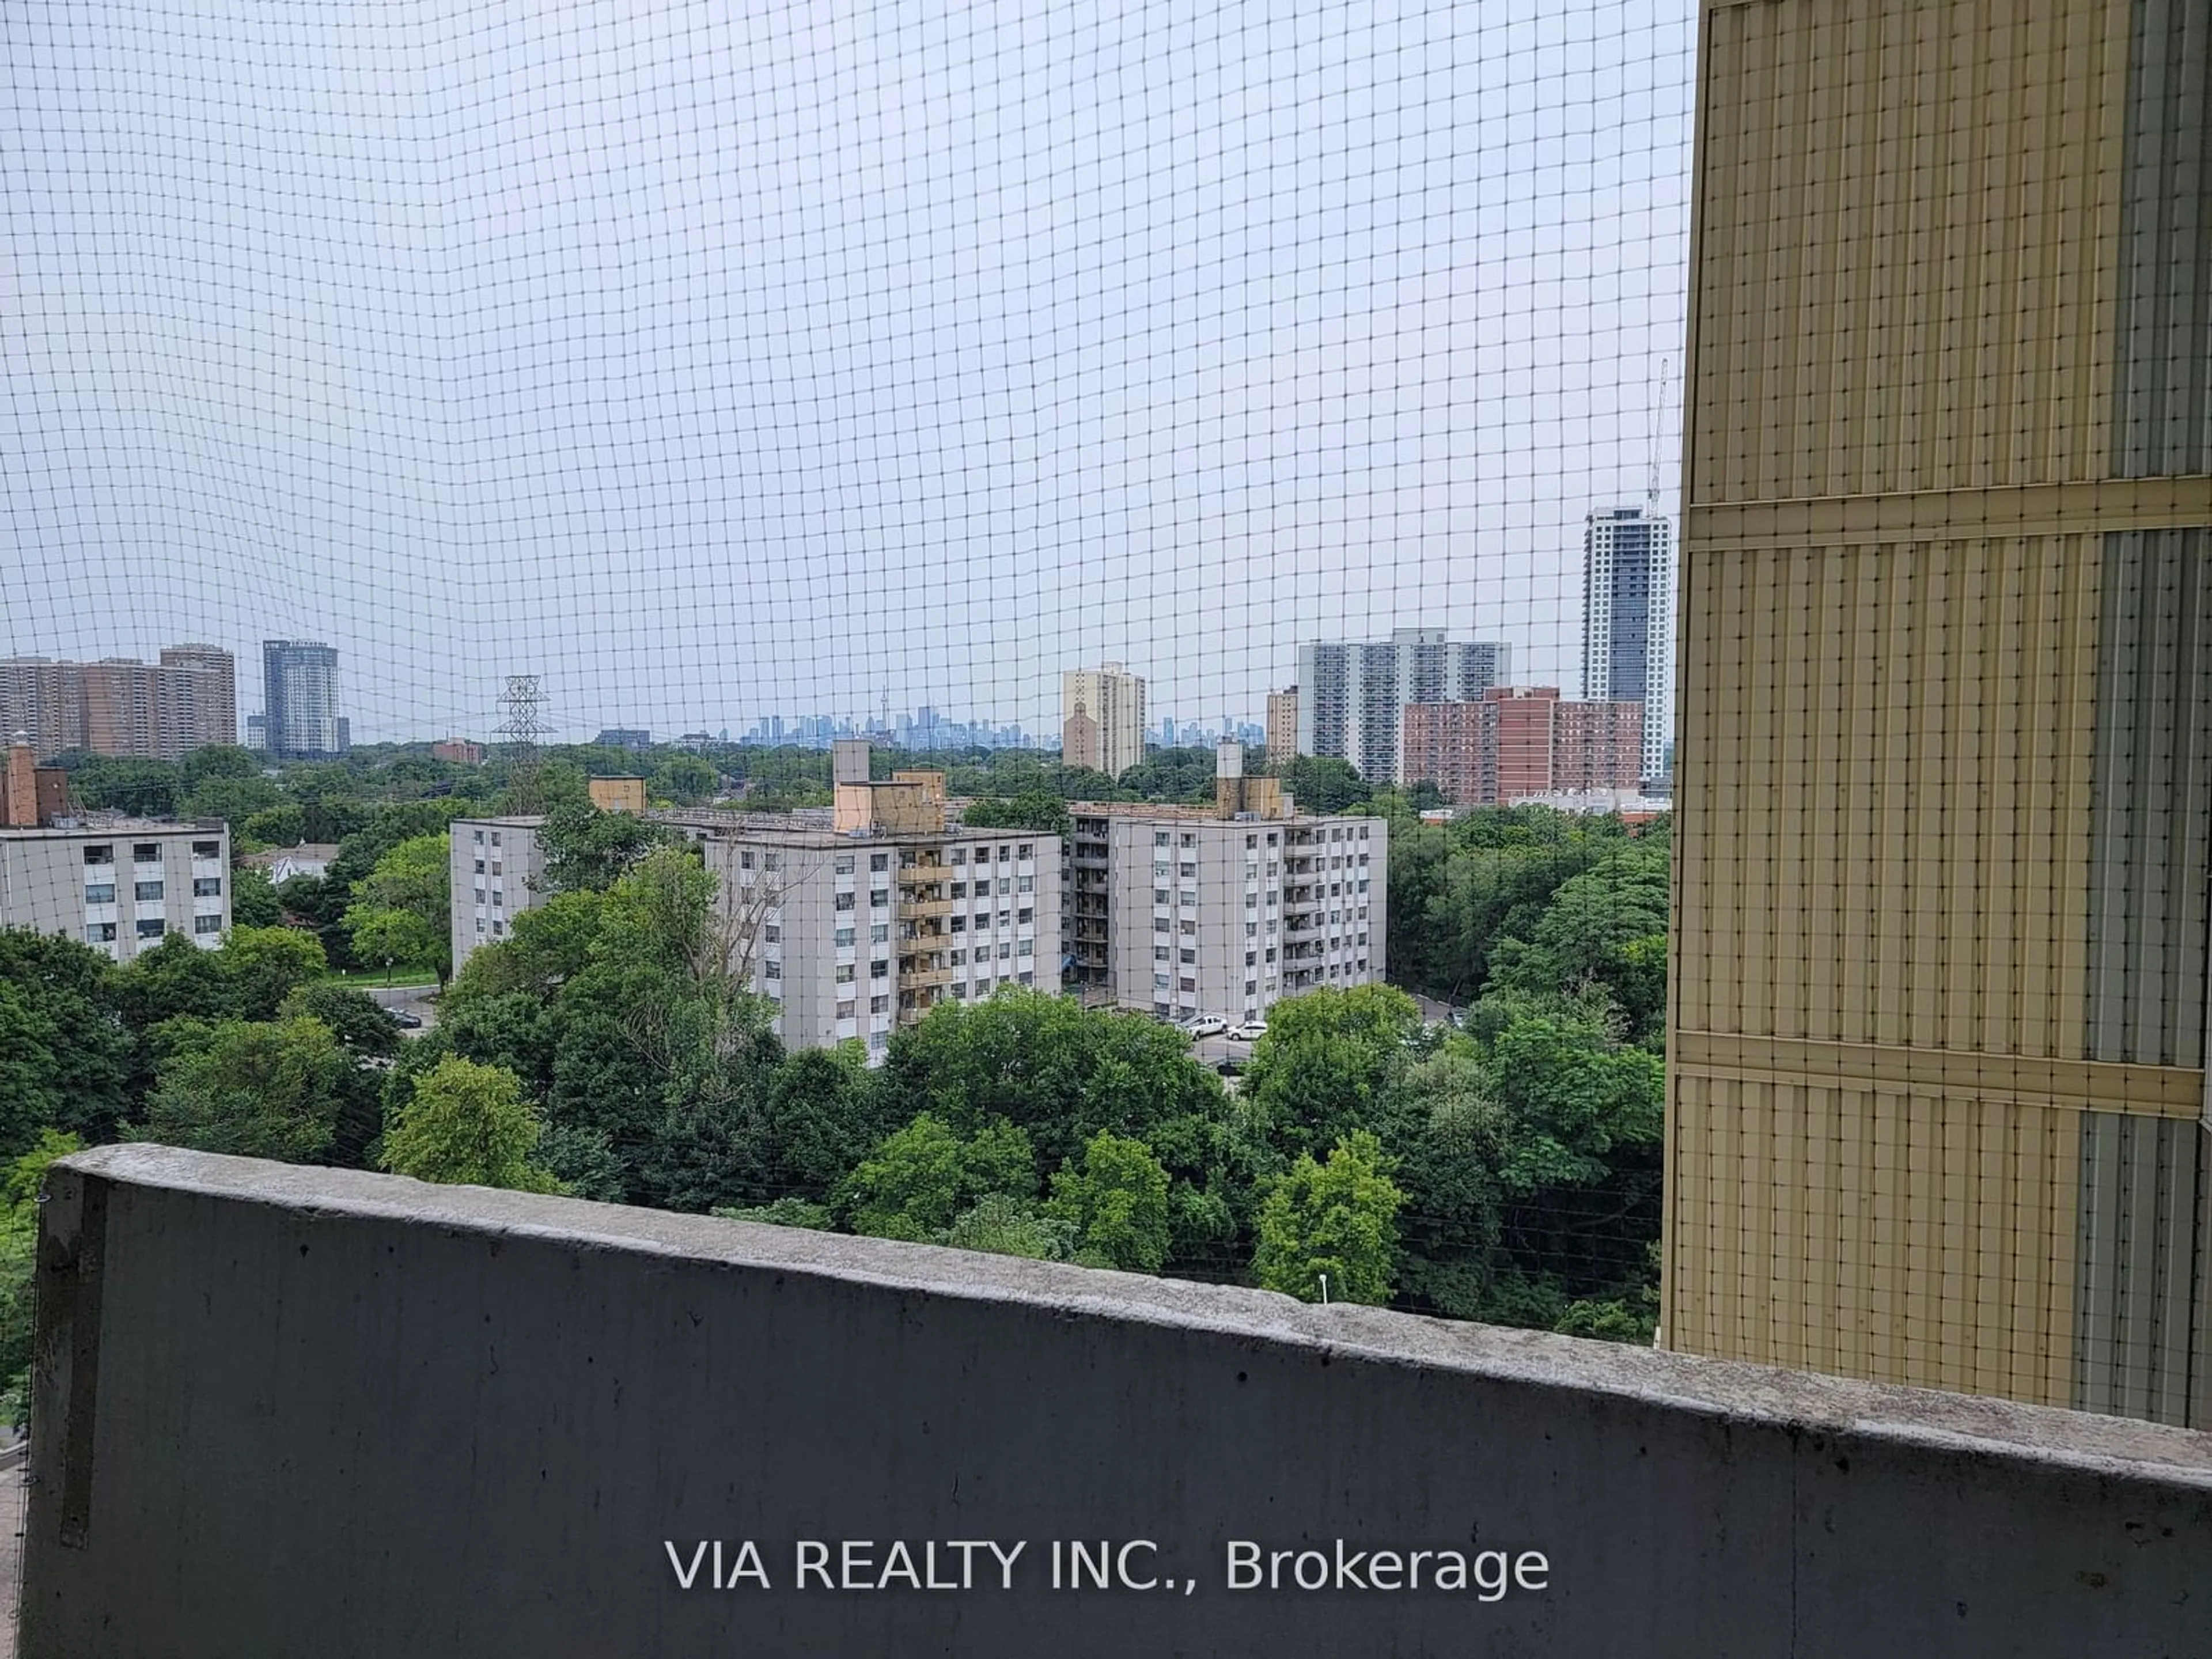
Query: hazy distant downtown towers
[300, 700]
[1351, 694]
[1628, 619]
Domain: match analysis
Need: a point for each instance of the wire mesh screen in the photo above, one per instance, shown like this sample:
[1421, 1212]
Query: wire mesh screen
[1055, 628]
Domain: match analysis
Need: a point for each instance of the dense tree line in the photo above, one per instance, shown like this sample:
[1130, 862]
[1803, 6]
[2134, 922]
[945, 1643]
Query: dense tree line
[610, 1049]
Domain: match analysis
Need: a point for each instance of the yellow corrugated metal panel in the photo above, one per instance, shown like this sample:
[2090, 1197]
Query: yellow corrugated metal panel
[1926, 883]
[1892, 1233]
[1906, 245]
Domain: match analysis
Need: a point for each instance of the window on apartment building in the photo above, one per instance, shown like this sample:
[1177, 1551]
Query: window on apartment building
[146, 890]
[960, 993]
[99, 855]
[153, 927]
[960, 889]
[1160, 924]
[479, 837]
[480, 924]
[879, 1005]
[1271, 953]
[100, 893]
[956, 958]
[1251, 958]
[844, 864]
[1026, 947]
[844, 973]
[1251, 901]
[207, 887]
[960, 856]
[1251, 988]
[844, 938]
[1188, 869]
[1251, 930]
[1005, 949]
[879, 899]
[1005, 853]
[206, 849]
[1006, 885]
[482, 896]
[1022, 885]
[1026, 916]
[207, 924]
[1188, 929]
[771, 861]
[1189, 957]
[1026, 850]
[880, 968]
[1160, 981]
[494, 837]
[773, 971]
[878, 931]
[99, 932]
[1189, 984]
[844, 901]
[1160, 952]
[1159, 895]
[960, 924]
[1159, 838]
[498, 929]
[773, 934]
[480, 867]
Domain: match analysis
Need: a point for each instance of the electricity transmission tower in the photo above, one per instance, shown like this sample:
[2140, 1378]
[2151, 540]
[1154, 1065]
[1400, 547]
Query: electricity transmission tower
[521, 706]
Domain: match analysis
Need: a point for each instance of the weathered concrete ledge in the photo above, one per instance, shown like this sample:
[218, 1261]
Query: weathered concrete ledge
[289, 1410]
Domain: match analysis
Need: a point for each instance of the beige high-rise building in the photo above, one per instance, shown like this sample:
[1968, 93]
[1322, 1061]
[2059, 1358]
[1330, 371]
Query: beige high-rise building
[1936, 1108]
[1282, 724]
[121, 706]
[1102, 719]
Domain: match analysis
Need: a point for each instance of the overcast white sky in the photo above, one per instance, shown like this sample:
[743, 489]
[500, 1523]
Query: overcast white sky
[713, 358]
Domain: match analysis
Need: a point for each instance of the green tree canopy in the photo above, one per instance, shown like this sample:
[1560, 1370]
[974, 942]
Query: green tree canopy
[1115, 1204]
[922, 1176]
[1038, 809]
[1337, 1220]
[258, 1090]
[467, 1124]
[68, 1010]
[1043, 1062]
[1322, 783]
[402, 907]
[253, 901]
[588, 851]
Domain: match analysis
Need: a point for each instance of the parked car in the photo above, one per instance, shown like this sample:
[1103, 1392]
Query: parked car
[1206, 1025]
[1229, 1067]
[1250, 1031]
[403, 1019]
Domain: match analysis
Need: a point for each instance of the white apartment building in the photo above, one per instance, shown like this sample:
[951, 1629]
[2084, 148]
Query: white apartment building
[493, 865]
[851, 933]
[1179, 911]
[121, 886]
[1351, 694]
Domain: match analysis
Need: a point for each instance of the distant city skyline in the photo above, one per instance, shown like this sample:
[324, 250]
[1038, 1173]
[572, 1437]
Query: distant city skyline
[813, 359]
